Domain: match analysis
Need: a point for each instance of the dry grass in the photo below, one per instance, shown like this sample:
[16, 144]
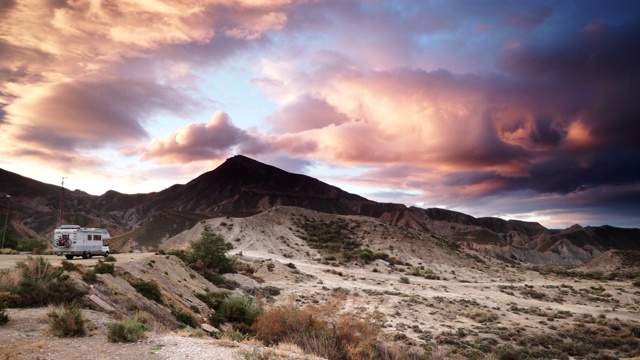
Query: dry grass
[66, 321]
[326, 331]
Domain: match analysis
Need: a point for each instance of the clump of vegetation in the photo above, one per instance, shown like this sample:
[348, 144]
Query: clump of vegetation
[258, 354]
[213, 299]
[148, 289]
[90, 276]
[482, 316]
[4, 318]
[35, 282]
[69, 266]
[208, 256]
[424, 272]
[130, 330]
[67, 321]
[239, 310]
[325, 331]
[404, 280]
[334, 237]
[110, 258]
[105, 268]
[33, 245]
[184, 318]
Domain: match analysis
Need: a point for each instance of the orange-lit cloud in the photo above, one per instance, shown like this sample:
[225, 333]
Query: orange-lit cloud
[212, 140]
[440, 102]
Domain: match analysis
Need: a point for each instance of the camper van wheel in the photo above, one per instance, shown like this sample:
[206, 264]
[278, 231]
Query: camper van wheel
[85, 255]
[69, 257]
[106, 253]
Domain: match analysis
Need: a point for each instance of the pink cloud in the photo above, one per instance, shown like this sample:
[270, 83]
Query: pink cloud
[212, 140]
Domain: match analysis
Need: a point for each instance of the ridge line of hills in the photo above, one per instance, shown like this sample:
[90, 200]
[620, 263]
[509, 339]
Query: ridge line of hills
[243, 187]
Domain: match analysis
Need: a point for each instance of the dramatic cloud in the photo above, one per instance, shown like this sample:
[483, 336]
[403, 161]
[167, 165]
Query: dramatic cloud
[79, 76]
[212, 140]
[479, 106]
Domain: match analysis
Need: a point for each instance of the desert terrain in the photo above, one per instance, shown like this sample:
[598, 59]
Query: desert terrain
[433, 297]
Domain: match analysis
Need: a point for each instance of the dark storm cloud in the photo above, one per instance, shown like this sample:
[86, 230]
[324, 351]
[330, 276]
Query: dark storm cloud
[594, 73]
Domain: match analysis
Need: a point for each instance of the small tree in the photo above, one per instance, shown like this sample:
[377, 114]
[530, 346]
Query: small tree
[210, 251]
[10, 238]
[34, 245]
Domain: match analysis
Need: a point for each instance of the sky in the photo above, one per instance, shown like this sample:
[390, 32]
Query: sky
[525, 110]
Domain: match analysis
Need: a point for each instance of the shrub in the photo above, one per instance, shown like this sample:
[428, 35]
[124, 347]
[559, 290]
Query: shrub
[324, 331]
[110, 258]
[240, 310]
[33, 245]
[4, 318]
[404, 279]
[130, 330]
[184, 318]
[104, 268]
[258, 354]
[213, 299]
[67, 321]
[148, 289]
[482, 316]
[90, 276]
[69, 266]
[211, 250]
[38, 283]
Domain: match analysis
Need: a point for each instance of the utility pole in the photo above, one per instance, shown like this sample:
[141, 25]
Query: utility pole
[6, 219]
[61, 220]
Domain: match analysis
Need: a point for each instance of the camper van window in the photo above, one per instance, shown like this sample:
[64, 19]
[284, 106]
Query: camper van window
[97, 237]
[89, 237]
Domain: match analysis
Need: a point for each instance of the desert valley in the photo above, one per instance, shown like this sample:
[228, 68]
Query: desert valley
[426, 283]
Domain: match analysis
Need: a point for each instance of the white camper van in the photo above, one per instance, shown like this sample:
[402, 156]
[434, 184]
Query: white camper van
[73, 240]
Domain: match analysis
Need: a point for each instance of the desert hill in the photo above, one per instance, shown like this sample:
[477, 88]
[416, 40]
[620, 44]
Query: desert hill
[242, 187]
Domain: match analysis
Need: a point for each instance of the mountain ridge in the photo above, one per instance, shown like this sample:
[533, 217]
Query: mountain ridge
[242, 187]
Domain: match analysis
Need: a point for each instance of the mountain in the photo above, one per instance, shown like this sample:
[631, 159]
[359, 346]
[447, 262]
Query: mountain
[242, 187]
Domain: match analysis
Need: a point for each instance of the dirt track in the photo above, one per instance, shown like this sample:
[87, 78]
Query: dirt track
[9, 261]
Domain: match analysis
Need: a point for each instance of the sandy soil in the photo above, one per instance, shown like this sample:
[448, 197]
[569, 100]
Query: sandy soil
[9, 261]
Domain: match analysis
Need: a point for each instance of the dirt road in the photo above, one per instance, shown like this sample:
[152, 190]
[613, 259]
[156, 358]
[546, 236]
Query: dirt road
[9, 261]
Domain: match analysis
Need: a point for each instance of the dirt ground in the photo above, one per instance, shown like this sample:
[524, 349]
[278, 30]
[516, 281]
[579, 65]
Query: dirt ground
[9, 261]
[26, 336]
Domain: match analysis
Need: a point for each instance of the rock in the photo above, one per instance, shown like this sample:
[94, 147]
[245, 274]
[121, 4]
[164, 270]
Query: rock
[208, 328]
[246, 283]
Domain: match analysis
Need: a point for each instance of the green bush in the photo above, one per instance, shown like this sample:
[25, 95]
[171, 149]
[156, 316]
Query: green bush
[67, 321]
[184, 318]
[211, 250]
[69, 266]
[4, 318]
[90, 276]
[404, 279]
[39, 284]
[240, 310]
[10, 238]
[33, 245]
[213, 299]
[103, 268]
[110, 258]
[207, 256]
[148, 289]
[130, 330]
[482, 316]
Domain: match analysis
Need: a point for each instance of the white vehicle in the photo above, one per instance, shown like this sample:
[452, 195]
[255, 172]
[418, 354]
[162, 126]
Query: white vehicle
[73, 240]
